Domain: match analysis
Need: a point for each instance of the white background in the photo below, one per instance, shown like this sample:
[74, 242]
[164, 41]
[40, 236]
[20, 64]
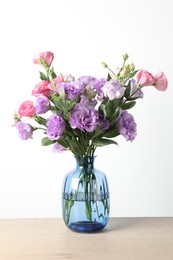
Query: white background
[82, 34]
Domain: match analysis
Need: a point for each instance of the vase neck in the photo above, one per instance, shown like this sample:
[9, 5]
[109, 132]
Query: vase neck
[85, 162]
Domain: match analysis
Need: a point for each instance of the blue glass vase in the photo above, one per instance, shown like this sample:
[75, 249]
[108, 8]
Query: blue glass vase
[85, 197]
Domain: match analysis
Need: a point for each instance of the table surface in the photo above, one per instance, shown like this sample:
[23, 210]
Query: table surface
[122, 239]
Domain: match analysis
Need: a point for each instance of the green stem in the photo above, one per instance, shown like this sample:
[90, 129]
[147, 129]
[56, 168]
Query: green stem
[41, 128]
[127, 99]
[112, 71]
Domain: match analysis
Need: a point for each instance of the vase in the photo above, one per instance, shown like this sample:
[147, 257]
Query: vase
[85, 197]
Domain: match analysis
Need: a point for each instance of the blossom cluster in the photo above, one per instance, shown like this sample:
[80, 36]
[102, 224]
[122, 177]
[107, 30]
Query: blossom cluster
[84, 113]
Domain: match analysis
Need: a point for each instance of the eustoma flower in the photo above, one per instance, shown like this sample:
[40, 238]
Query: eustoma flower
[160, 81]
[25, 130]
[84, 117]
[113, 89]
[70, 90]
[57, 148]
[55, 127]
[27, 109]
[42, 104]
[47, 57]
[41, 88]
[145, 78]
[126, 126]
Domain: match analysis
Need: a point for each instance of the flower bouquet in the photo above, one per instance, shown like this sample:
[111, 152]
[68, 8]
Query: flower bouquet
[80, 115]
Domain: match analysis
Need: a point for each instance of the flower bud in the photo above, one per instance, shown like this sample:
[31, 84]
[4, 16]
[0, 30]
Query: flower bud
[131, 67]
[16, 117]
[125, 57]
[123, 73]
[127, 68]
[104, 65]
[89, 92]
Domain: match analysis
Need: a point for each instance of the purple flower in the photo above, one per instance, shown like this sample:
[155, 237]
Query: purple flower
[57, 148]
[88, 102]
[84, 117]
[99, 83]
[93, 83]
[25, 131]
[126, 126]
[71, 89]
[134, 85]
[42, 104]
[113, 89]
[103, 123]
[55, 127]
[87, 80]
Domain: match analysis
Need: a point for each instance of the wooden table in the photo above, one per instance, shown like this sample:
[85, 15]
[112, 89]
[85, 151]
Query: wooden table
[122, 239]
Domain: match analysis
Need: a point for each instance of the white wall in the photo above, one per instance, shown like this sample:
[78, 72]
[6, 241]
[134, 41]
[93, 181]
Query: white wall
[82, 34]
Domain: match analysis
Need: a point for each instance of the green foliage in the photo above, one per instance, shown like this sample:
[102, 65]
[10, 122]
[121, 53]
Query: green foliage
[43, 76]
[127, 91]
[45, 141]
[128, 105]
[103, 142]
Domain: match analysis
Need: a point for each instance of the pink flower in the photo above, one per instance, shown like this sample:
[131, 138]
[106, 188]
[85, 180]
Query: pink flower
[161, 82]
[56, 80]
[47, 56]
[145, 78]
[41, 88]
[26, 109]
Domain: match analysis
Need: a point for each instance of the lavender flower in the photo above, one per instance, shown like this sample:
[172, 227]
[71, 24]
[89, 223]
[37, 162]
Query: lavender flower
[57, 148]
[126, 126]
[87, 80]
[98, 86]
[92, 83]
[103, 123]
[84, 117]
[25, 131]
[71, 89]
[134, 85]
[88, 102]
[55, 127]
[113, 89]
[42, 104]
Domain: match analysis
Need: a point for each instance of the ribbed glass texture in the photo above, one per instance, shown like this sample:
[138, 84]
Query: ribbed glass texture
[85, 197]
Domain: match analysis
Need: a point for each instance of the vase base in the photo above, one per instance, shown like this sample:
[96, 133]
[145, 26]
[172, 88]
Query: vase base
[86, 226]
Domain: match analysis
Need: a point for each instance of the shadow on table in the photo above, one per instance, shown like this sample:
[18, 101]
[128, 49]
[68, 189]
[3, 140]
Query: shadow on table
[122, 223]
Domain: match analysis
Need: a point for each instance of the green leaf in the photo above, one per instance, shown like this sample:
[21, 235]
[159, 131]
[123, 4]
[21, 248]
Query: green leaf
[59, 105]
[103, 142]
[134, 98]
[109, 77]
[133, 73]
[45, 141]
[112, 132]
[128, 105]
[43, 76]
[62, 142]
[69, 104]
[111, 108]
[55, 97]
[40, 120]
[114, 117]
[127, 91]
[73, 144]
[102, 108]
[97, 132]
[52, 73]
